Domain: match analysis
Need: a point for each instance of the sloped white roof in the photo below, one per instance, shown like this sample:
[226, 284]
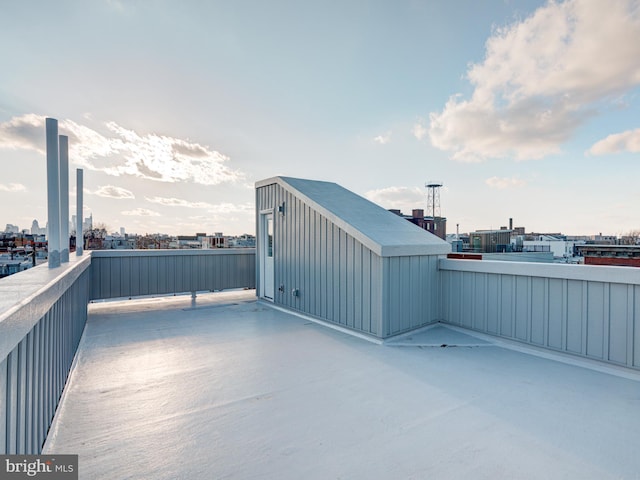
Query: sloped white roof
[383, 232]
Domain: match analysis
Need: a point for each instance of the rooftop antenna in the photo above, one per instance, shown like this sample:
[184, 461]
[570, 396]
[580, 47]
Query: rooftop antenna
[433, 198]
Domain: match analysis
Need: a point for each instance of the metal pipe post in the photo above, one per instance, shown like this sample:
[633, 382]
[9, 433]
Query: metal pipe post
[79, 233]
[53, 193]
[64, 198]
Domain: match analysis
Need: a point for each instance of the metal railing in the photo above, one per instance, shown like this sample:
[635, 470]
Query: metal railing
[590, 311]
[130, 273]
[43, 312]
[42, 315]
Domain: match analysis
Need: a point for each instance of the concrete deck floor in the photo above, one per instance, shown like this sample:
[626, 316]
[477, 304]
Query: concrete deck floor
[236, 389]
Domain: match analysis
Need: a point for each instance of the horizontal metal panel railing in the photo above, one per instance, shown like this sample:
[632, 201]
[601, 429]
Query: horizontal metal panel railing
[42, 315]
[43, 312]
[130, 273]
[590, 311]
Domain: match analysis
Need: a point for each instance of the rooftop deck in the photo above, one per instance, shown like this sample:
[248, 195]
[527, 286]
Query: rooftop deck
[232, 388]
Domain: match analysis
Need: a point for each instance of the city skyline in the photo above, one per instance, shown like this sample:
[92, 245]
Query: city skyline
[525, 110]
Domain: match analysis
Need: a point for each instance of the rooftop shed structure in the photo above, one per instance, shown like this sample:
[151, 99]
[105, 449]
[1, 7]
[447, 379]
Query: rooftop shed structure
[326, 252]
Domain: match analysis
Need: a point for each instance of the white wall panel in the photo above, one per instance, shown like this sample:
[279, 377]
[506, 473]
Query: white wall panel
[557, 313]
[493, 303]
[634, 330]
[467, 306]
[597, 318]
[479, 305]
[522, 308]
[620, 316]
[507, 305]
[539, 304]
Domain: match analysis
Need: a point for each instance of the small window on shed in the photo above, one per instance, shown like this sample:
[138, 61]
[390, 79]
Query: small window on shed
[270, 237]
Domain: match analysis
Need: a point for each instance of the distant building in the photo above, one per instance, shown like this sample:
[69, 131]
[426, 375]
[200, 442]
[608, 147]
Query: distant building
[217, 240]
[154, 241]
[186, 241]
[111, 242]
[560, 247]
[10, 266]
[36, 229]
[94, 239]
[242, 241]
[514, 230]
[630, 239]
[434, 225]
[617, 255]
[603, 239]
[87, 224]
[17, 253]
[490, 241]
[536, 236]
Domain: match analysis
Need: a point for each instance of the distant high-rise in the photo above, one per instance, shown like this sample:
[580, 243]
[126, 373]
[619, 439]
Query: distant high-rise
[36, 229]
[88, 223]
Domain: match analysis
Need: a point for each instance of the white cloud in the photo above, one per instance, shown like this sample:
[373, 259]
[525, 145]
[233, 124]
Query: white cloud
[140, 212]
[178, 202]
[225, 208]
[540, 79]
[505, 182]
[110, 191]
[23, 133]
[383, 139]
[419, 131]
[13, 187]
[116, 5]
[213, 208]
[125, 152]
[402, 198]
[628, 141]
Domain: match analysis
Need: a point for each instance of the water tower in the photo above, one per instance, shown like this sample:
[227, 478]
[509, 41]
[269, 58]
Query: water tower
[433, 199]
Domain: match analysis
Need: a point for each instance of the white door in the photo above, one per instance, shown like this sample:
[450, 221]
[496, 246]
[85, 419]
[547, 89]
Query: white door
[266, 256]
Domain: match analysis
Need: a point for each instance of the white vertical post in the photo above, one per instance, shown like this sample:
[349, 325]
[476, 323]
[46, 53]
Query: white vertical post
[79, 233]
[64, 198]
[53, 193]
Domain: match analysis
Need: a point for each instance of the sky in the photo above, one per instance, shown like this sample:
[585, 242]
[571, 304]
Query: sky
[521, 109]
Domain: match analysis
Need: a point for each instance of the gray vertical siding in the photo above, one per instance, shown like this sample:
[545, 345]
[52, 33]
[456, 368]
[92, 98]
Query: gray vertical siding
[130, 273]
[39, 338]
[410, 292]
[340, 280]
[588, 311]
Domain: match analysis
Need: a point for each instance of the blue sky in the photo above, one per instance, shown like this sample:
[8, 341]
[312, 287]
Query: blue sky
[522, 109]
